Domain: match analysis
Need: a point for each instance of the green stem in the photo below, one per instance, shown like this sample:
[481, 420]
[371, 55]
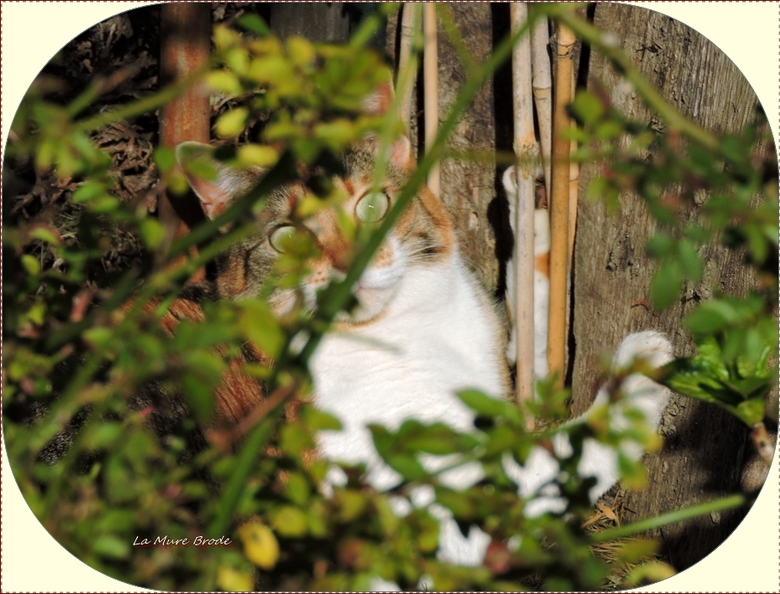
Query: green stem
[686, 513]
[234, 488]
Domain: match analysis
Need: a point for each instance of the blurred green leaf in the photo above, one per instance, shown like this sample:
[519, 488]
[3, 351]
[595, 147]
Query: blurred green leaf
[253, 23]
[289, 521]
[667, 284]
[110, 546]
[231, 123]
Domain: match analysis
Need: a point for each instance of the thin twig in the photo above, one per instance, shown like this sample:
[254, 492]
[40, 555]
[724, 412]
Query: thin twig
[679, 515]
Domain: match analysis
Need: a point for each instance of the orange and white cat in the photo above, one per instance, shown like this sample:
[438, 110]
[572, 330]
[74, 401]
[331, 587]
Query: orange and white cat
[423, 329]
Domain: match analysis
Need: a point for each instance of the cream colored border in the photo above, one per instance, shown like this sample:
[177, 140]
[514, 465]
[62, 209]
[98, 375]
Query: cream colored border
[32, 32]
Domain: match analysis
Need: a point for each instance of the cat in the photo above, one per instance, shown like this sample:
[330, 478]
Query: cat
[541, 278]
[423, 328]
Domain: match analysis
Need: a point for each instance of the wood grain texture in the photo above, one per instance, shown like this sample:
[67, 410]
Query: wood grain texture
[468, 187]
[704, 446]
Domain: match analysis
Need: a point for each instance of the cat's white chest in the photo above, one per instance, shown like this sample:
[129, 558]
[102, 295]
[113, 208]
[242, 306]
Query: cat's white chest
[438, 336]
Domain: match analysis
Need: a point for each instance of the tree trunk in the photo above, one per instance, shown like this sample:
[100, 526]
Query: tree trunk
[704, 446]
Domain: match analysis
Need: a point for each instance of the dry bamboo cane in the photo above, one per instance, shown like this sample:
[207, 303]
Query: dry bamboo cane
[431, 83]
[559, 207]
[542, 88]
[526, 151]
[410, 19]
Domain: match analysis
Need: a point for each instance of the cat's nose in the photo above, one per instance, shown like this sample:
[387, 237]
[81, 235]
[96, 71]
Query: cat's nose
[339, 257]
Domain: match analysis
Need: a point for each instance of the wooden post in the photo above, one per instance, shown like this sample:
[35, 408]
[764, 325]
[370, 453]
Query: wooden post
[559, 206]
[431, 83]
[185, 46]
[524, 144]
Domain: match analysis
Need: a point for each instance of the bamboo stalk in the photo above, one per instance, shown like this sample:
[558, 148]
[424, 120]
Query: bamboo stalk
[431, 83]
[525, 148]
[559, 206]
[542, 89]
[410, 21]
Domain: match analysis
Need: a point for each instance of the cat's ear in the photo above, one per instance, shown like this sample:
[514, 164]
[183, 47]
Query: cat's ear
[215, 184]
[379, 103]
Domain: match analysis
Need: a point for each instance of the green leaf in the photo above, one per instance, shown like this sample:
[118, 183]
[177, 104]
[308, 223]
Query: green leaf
[459, 503]
[237, 60]
[231, 123]
[164, 158]
[296, 489]
[587, 107]
[648, 573]
[108, 545]
[438, 438]
[102, 435]
[253, 23]
[300, 50]
[31, 265]
[636, 549]
[289, 521]
[47, 234]
[667, 283]
[488, 406]
[295, 440]
[152, 233]
[318, 420]
[87, 191]
[261, 326]
[709, 318]
[350, 504]
[660, 245]
[258, 155]
[690, 261]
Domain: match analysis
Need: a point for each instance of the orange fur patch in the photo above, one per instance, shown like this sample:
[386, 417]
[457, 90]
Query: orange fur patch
[542, 264]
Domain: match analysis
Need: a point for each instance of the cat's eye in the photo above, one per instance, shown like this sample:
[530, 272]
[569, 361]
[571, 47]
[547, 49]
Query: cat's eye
[372, 207]
[280, 237]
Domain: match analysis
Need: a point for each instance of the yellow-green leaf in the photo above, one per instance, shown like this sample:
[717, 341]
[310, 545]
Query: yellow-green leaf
[234, 580]
[257, 154]
[231, 123]
[260, 544]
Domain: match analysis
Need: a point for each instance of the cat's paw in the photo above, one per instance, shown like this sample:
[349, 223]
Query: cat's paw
[651, 346]
[643, 393]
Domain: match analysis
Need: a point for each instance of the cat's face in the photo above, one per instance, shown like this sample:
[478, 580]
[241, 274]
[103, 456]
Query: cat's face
[422, 235]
